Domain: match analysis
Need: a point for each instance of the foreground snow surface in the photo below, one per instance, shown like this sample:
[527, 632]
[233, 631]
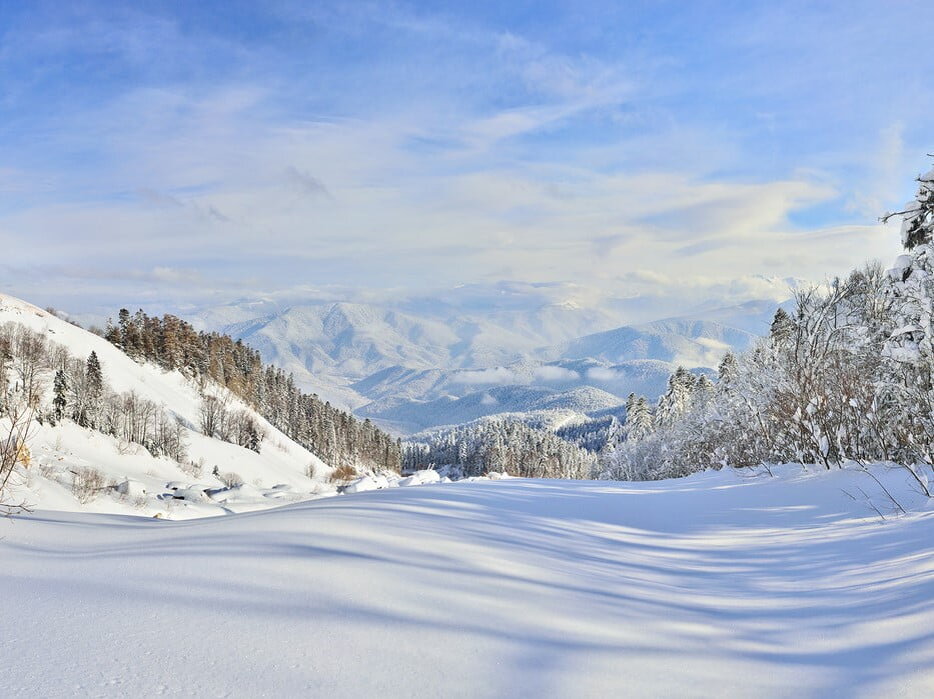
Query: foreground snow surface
[718, 584]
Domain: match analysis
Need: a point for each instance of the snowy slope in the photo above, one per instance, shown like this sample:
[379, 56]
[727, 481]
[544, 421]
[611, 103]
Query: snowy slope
[59, 451]
[715, 585]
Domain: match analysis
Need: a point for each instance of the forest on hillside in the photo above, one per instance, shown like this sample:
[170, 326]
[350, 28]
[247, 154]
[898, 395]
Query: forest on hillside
[498, 444]
[334, 435]
[41, 382]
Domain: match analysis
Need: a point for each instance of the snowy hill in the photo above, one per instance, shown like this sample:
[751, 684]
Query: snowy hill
[63, 453]
[688, 342]
[720, 584]
[412, 416]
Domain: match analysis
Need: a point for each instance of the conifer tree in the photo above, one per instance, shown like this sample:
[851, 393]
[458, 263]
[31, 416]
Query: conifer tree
[782, 327]
[59, 390]
[94, 387]
[639, 419]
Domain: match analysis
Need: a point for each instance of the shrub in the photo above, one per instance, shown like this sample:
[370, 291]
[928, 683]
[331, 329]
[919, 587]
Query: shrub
[344, 473]
[88, 482]
[231, 479]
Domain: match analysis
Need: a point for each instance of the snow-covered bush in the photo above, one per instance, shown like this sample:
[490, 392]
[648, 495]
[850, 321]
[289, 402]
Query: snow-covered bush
[231, 479]
[87, 483]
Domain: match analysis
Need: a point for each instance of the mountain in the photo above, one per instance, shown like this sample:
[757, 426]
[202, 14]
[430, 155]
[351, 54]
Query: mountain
[354, 340]
[413, 416]
[396, 360]
[643, 376]
[689, 342]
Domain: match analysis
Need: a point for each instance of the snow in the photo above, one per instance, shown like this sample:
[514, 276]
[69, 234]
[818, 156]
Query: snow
[393, 480]
[59, 451]
[719, 584]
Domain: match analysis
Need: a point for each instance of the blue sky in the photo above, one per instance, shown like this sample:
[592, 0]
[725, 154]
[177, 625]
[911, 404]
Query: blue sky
[173, 153]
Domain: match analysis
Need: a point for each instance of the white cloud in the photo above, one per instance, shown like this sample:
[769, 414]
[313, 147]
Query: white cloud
[254, 182]
[555, 373]
[496, 375]
[603, 374]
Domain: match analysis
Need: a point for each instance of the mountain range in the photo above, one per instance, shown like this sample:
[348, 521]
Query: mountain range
[418, 364]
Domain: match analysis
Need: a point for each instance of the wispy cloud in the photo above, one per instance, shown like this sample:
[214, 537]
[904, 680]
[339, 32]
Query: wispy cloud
[394, 145]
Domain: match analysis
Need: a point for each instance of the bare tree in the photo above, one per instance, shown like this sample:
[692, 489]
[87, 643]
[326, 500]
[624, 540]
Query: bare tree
[16, 426]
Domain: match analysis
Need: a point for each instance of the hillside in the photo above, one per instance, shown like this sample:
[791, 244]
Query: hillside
[720, 584]
[64, 453]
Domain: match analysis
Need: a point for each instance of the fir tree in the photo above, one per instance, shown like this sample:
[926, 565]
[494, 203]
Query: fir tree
[95, 377]
[639, 420]
[726, 372]
[782, 328]
[94, 387]
[59, 390]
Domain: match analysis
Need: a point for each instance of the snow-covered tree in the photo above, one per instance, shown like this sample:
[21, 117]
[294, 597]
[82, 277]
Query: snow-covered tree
[677, 399]
[60, 390]
[639, 419]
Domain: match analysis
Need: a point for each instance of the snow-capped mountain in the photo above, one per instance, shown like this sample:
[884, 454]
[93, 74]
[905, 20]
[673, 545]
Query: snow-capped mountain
[412, 415]
[692, 343]
[420, 362]
[644, 376]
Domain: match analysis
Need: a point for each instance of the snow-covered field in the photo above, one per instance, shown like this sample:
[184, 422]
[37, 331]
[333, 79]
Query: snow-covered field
[718, 584]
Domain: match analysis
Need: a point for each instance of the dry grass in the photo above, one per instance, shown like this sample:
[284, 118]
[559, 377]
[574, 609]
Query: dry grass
[342, 474]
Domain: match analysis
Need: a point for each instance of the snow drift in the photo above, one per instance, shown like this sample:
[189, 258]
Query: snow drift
[719, 584]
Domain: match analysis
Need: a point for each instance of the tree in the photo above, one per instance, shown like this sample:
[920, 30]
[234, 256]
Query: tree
[782, 328]
[59, 390]
[677, 398]
[214, 416]
[639, 420]
[94, 376]
[918, 215]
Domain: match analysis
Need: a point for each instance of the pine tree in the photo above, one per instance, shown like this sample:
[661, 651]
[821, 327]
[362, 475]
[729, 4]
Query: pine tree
[677, 398]
[59, 390]
[918, 216]
[639, 420]
[703, 391]
[95, 389]
[782, 328]
[95, 376]
[727, 370]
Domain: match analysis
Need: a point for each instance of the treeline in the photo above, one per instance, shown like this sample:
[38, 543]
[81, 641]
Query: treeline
[847, 376]
[592, 434]
[30, 365]
[499, 445]
[332, 434]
